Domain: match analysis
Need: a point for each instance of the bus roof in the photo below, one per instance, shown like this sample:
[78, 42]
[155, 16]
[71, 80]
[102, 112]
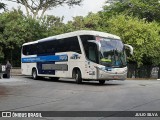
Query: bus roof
[76, 33]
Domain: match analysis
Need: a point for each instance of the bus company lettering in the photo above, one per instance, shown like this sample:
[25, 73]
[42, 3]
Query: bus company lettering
[75, 56]
[63, 57]
[32, 59]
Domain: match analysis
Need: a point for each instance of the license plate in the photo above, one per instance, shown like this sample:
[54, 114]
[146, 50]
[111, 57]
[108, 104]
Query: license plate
[115, 77]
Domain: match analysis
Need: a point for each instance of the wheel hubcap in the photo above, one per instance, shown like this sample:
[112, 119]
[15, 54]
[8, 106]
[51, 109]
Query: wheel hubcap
[76, 76]
[34, 74]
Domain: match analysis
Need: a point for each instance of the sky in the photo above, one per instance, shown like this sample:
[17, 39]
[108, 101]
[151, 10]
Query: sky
[68, 13]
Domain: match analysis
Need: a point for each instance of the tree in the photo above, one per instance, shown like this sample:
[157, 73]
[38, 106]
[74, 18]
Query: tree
[2, 6]
[35, 6]
[143, 9]
[16, 29]
[54, 25]
[114, 1]
[143, 36]
[78, 23]
[90, 22]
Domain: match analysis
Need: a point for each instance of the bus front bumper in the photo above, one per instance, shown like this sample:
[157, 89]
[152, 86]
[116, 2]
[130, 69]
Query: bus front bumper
[117, 74]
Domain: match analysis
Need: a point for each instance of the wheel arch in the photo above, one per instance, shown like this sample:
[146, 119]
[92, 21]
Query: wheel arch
[74, 70]
[34, 68]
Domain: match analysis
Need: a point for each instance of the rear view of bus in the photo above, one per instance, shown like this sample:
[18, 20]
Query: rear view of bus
[89, 55]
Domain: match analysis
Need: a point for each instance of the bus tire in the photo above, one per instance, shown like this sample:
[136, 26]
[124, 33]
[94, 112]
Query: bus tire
[77, 76]
[101, 82]
[34, 74]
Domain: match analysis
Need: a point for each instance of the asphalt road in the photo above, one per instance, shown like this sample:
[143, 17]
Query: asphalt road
[21, 93]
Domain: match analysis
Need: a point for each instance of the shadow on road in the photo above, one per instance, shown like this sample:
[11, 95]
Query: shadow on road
[72, 81]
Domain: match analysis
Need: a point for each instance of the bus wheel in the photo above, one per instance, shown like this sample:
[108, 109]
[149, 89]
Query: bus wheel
[34, 74]
[101, 82]
[78, 77]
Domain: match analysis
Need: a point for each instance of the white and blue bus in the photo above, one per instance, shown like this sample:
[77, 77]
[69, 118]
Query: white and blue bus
[81, 55]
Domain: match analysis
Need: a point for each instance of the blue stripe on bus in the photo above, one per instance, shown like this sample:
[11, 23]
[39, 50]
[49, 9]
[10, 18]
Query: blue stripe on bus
[56, 58]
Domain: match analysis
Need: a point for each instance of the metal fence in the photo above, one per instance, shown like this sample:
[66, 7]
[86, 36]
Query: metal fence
[145, 71]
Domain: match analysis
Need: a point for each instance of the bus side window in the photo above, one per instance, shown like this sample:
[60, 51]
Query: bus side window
[24, 50]
[90, 49]
[71, 44]
[92, 55]
[92, 52]
[29, 49]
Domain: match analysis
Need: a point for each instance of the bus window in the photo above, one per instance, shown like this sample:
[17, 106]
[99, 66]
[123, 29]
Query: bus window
[92, 53]
[29, 49]
[24, 50]
[90, 49]
[48, 47]
[69, 44]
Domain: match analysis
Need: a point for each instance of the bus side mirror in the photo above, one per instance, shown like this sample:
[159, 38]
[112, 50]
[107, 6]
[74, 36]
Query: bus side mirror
[129, 47]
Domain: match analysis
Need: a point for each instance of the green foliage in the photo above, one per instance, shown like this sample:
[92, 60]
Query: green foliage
[91, 22]
[143, 9]
[16, 29]
[143, 36]
[54, 25]
[2, 6]
[1, 54]
[129, 19]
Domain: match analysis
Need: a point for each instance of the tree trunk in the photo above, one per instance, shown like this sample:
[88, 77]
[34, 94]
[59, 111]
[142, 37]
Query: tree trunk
[42, 14]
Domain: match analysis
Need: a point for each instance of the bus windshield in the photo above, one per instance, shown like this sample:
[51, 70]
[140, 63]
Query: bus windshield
[112, 52]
